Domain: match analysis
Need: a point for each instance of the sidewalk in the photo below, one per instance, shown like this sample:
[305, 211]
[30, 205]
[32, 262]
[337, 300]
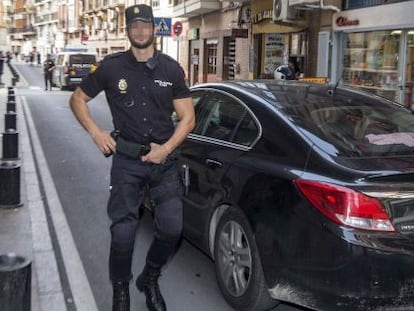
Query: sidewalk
[24, 230]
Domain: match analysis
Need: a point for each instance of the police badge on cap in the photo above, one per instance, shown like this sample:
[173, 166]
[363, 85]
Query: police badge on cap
[139, 12]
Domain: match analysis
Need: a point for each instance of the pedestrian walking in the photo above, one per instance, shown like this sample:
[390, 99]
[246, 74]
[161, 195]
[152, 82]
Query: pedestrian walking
[31, 58]
[8, 57]
[48, 67]
[143, 88]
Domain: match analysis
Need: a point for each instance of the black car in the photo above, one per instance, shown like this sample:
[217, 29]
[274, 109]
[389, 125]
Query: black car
[302, 193]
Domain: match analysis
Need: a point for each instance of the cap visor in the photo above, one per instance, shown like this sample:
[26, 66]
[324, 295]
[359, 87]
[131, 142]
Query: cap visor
[141, 19]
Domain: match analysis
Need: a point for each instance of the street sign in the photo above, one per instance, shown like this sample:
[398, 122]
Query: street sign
[163, 25]
[177, 28]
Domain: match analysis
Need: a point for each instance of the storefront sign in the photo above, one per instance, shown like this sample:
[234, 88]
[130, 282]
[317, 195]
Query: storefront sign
[398, 15]
[239, 33]
[262, 15]
[344, 22]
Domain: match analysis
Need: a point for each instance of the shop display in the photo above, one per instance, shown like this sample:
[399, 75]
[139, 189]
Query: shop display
[371, 62]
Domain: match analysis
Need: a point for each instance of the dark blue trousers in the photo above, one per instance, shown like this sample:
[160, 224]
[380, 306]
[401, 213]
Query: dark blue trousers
[130, 178]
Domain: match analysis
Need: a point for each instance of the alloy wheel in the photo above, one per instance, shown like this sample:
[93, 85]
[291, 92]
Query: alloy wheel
[235, 260]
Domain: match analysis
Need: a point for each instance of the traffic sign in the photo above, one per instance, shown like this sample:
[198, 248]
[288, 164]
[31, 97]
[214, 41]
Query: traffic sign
[177, 28]
[163, 25]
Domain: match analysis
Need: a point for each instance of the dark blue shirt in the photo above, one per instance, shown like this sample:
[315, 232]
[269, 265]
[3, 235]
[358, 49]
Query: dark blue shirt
[140, 98]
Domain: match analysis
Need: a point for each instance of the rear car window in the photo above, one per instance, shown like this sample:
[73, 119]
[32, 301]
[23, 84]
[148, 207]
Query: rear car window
[357, 126]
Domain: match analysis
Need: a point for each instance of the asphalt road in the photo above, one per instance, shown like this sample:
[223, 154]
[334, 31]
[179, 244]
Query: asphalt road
[81, 177]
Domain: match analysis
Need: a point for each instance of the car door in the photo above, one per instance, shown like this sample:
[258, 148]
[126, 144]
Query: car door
[57, 73]
[206, 155]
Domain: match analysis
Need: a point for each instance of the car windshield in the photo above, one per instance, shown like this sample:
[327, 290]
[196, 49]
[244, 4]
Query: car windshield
[82, 59]
[355, 124]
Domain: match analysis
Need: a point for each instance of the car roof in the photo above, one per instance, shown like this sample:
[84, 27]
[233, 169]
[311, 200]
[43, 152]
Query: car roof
[76, 53]
[269, 89]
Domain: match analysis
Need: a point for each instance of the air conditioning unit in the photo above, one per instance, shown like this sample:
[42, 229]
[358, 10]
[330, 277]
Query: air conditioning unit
[282, 11]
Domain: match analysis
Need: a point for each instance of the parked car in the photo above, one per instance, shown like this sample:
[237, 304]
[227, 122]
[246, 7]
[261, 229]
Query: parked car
[302, 193]
[72, 67]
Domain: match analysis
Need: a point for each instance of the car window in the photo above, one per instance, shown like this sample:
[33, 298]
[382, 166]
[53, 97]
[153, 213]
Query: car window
[223, 117]
[199, 109]
[247, 132]
[357, 126]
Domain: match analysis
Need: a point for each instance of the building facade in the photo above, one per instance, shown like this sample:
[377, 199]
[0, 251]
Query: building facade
[219, 40]
[376, 55]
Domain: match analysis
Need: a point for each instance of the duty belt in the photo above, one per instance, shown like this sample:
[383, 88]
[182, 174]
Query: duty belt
[131, 149]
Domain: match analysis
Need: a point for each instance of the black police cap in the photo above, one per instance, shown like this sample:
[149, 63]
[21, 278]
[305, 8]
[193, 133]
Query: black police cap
[139, 12]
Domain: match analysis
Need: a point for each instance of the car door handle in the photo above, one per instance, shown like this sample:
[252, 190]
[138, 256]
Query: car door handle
[214, 163]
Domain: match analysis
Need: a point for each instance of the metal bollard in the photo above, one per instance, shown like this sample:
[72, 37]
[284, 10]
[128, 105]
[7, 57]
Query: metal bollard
[10, 120]
[10, 144]
[11, 97]
[15, 283]
[10, 184]
[11, 106]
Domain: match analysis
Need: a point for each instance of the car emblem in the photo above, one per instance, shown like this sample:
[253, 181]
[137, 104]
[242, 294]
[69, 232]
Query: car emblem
[122, 86]
[136, 10]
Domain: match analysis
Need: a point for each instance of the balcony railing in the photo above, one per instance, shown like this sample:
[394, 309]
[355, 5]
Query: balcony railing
[24, 30]
[46, 18]
[191, 8]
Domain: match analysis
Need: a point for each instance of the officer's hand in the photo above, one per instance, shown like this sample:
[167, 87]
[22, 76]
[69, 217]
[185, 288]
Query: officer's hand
[157, 155]
[105, 142]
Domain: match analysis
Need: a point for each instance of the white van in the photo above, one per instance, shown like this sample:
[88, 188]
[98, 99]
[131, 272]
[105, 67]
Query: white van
[71, 67]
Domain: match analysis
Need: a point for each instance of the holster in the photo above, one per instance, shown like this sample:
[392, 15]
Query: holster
[131, 149]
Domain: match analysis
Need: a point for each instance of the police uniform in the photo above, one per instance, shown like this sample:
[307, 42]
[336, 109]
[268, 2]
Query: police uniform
[47, 65]
[140, 96]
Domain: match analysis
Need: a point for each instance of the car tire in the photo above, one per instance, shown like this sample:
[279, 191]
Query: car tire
[237, 261]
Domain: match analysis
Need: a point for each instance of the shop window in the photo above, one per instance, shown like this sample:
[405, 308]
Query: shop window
[371, 62]
[211, 58]
[299, 50]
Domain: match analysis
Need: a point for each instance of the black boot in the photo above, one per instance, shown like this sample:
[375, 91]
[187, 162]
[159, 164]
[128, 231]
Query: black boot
[120, 300]
[147, 282]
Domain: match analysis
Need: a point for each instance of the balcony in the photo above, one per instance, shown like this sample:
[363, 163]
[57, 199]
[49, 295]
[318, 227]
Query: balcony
[192, 8]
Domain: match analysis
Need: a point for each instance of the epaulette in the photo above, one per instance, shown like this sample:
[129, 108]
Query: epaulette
[113, 55]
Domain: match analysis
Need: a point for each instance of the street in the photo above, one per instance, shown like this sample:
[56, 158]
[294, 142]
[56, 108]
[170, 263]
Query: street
[81, 176]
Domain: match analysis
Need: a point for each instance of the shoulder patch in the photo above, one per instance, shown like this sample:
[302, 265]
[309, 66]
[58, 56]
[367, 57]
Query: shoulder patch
[94, 67]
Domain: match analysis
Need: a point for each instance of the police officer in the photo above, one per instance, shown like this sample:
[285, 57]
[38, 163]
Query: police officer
[48, 67]
[143, 87]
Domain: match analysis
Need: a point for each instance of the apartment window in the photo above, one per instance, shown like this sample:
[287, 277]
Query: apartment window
[155, 3]
[211, 56]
